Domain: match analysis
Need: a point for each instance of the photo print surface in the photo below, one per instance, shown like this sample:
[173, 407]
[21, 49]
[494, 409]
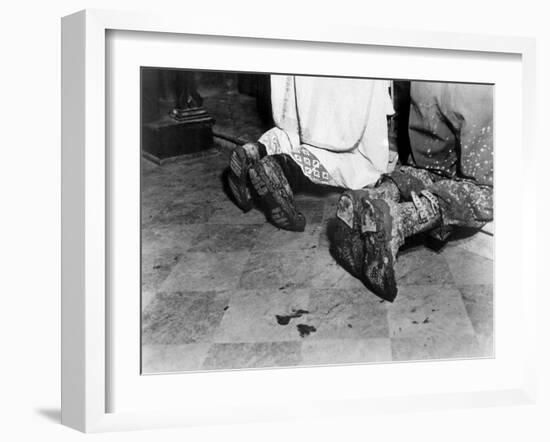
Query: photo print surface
[307, 220]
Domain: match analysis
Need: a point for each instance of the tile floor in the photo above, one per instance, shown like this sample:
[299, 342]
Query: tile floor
[218, 286]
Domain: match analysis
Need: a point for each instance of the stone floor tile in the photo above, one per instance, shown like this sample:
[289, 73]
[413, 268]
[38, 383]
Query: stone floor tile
[252, 316]
[182, 317]
[346, 314]
[155, 268]
[421, 347]
[253, 355]
[225, 238]
[468, 268]
[480, 244]
[206, 271]
[226, 212]
[478, 300]
[346, 351]
[266, 269]
[185, 212]
[422, 266]
[420, 311]
[327, 273]
[271, 239]
[172, 358]
[160, 239]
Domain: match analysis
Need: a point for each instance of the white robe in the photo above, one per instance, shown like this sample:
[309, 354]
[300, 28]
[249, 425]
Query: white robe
[335, 129]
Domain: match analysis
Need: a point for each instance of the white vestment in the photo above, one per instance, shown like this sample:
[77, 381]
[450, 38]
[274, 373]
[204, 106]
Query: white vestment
[335, 129]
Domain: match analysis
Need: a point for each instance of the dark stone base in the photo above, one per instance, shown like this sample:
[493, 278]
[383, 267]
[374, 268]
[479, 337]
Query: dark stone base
[167, 138]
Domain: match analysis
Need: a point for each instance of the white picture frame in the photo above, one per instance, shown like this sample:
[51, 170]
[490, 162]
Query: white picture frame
[86, 206]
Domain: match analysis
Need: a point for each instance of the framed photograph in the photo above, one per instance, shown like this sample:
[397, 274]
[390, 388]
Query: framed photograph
[265, 223]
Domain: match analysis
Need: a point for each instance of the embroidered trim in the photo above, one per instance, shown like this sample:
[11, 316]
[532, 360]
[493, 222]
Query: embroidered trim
[421, 208]
[312, 167]
[434, 202]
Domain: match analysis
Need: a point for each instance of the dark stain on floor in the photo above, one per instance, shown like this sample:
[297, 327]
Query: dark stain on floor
[305, 329]
[285, 319]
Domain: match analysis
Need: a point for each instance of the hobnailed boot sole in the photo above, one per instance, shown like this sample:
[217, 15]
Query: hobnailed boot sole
[272, 187]
[237, 179]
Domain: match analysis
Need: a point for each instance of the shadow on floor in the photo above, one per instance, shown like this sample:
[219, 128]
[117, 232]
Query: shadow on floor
[51, 414]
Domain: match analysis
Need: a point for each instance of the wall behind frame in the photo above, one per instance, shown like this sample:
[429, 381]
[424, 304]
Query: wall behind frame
[30, 183]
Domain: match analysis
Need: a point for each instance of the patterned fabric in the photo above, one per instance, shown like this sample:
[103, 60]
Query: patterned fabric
[461, 202]
[312, 167]
[434, 202]
[451, 130]
[409, 179]
[418, 216]
[278, 142]
[422, 210]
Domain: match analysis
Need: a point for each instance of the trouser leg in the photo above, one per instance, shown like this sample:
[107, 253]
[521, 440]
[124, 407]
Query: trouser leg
[462, 203]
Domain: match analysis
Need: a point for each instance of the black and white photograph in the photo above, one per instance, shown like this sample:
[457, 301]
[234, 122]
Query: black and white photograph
[291, 220]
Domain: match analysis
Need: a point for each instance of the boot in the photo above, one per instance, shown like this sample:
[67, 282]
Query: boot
[240, 161]
[276, 197]
[346, 239]
[385, 225]
[346, 246]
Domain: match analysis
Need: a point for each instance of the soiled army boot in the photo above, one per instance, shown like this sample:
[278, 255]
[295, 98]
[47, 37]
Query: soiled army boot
[240, 161]
[275, 194]
[384, 225]
[346, 239]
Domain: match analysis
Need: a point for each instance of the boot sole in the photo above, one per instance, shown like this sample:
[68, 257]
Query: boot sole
[280, 209]
[238, 179]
